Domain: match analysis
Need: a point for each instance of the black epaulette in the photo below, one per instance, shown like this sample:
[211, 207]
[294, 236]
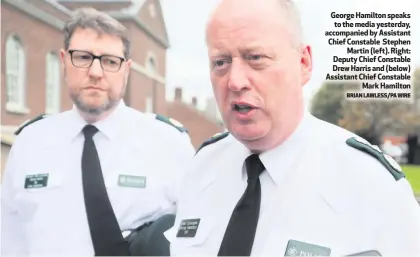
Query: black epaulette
[174, 123]
[390, 164]
[213, 139]
[29, 122]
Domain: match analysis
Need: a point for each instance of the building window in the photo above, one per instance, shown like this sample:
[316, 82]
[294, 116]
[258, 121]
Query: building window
[149, 105]
[15, 76]
[151, 64]
[152, 10]
[53, 84]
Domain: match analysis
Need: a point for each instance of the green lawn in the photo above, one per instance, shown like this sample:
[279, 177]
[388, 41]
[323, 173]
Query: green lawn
[413, 176]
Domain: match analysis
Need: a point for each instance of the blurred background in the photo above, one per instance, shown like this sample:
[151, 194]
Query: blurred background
[170, 74]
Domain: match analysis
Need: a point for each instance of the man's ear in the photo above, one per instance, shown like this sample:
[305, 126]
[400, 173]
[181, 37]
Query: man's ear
[129, 63]
[63, 54]
[306, 63]
[127, 71]
[63, 60]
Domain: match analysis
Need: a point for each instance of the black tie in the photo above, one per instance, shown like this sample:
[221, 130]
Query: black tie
[240, 232]
[105, 232]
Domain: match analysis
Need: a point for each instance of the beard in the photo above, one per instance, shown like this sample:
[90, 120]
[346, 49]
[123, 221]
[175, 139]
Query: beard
[94, 110]
[111, 101]
[113, 98]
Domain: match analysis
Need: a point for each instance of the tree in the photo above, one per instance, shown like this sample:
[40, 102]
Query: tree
[370, 119]
[376, 117]
[416, 103]
[327, 102]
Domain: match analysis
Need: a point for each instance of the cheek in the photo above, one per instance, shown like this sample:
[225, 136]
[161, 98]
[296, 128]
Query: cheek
[285, 96]
[274, 88]
[74, 78]
[219, 89]
[115, 83]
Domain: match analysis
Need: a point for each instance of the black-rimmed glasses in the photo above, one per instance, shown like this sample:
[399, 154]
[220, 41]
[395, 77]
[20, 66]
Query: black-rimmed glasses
[83, 59]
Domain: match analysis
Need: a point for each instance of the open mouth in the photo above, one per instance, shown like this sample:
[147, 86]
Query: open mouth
[242, 108]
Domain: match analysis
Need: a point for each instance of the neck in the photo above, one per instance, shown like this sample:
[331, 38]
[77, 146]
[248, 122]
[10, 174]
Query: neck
[92, 118]
[276, 137]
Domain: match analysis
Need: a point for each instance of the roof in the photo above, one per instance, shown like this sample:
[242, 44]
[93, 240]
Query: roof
[125, 13]
[133, 9]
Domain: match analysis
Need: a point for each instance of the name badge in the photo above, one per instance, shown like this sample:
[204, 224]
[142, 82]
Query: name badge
[36, 180]
[297, 248]
[188, 228]
[132, 181]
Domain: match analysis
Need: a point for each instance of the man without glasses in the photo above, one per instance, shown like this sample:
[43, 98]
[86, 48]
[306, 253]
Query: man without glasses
[281, 182]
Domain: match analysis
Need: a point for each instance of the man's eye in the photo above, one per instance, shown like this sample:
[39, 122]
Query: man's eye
[254, 57]
[219, 63]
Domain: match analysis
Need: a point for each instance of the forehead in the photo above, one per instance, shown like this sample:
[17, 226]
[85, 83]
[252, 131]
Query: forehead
[247, 32]
[247, 23]
[97, 43]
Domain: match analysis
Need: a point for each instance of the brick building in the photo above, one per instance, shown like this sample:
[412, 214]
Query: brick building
[31, 39]
[189, 115]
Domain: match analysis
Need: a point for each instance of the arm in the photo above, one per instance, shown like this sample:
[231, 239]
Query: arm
[12, 236]
[401, 229]
[184, 151]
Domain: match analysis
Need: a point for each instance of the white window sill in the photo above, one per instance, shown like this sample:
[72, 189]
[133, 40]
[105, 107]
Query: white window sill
[16, 108]
[51, 112]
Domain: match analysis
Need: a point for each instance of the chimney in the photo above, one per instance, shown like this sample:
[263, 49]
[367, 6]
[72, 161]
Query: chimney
[178, 94]
[194, 102]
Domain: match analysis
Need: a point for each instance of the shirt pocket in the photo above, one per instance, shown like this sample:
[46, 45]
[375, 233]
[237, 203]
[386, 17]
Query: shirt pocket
[135, 194]
[37, 189]
[179, 239]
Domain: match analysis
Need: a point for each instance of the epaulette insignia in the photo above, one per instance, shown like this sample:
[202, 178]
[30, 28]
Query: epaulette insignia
[390, 164]
[213, 139]
[29, 122]
[174, 123]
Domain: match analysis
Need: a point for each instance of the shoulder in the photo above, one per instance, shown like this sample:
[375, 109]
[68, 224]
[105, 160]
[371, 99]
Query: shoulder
[355, 172]
[377, 155]
[168, 131]
[355, 154]
[42, 124]
[29, 122]
[166, 123]
[156, 124]
[41, 129]
[214, 141]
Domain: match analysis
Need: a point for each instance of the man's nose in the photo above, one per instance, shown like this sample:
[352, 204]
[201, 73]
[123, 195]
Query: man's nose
[95, 69]
[238, 77]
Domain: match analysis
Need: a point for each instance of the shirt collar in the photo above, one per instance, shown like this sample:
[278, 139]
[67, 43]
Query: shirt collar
[283, 158]
[280, 160]
[108, 126]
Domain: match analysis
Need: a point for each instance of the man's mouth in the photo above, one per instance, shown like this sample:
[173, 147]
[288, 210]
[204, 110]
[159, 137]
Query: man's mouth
[96, 88]
[242, 107]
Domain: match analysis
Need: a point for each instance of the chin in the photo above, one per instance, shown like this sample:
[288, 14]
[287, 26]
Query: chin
[248, 132]
[253, 136]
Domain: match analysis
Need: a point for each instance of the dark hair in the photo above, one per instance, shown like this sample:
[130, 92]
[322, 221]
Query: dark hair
[98, 21]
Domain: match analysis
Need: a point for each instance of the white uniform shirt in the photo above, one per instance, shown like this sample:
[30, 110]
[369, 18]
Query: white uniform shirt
[316, 190]
[52, 220]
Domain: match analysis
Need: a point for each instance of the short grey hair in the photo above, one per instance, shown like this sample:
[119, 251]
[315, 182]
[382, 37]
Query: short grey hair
[98, 21]
[292, 14]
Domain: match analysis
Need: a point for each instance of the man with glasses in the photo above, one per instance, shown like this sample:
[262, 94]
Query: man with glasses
[99, 179]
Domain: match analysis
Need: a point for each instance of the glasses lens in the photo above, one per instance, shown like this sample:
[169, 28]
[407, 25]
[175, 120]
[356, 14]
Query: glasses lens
[81, 59]
[111, 63]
